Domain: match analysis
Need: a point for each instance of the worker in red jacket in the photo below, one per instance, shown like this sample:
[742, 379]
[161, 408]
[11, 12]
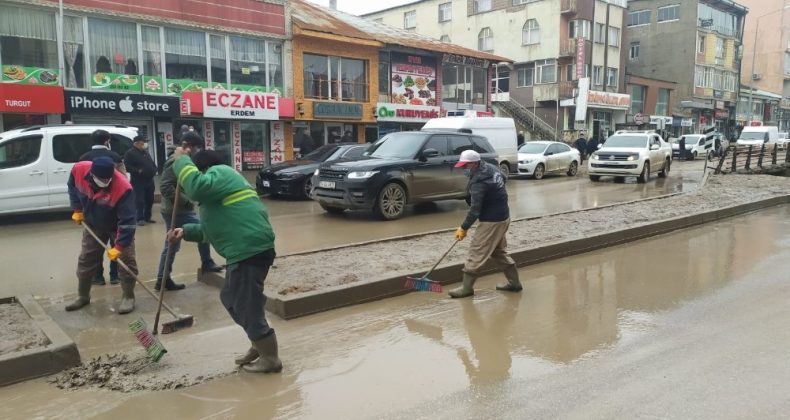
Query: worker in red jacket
[103, 199]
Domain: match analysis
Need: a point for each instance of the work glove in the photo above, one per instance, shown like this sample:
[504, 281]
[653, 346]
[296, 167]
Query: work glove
[78, 217]
[113, 254]
[460, 234]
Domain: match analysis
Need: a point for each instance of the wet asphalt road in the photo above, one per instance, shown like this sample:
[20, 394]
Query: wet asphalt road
[690, 324]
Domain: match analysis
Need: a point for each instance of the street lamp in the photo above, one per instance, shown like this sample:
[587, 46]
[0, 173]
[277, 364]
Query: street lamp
[750, 109]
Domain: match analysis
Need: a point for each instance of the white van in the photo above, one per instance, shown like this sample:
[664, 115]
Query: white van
[35, 163]
[500, 132]
[756, 136]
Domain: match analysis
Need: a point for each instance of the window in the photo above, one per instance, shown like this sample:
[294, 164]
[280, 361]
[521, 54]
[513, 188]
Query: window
[20, 152]
[525, 76]
[571, 72]
[637, 99]
[113, 49]
[634, 51]
[611, 77]
[530, 33]
[458, 144]
[219, 71]
[719, 48]
[662, 102]
[701, 44]
[485, 40]
[482, 6]
[519, 2]
[410, 19]
[669, 13]
[354, 152]
[480, 145]
[787, 63]
[614, 36]
[27, 38]
[545, 71]
[74, 52]
[335, 78]
[579, 29]
[641, 17]
[152, 51]
[445, 12]
[274, 61]
[713, 19]
[68, 148]
[438, 143]
[247, 62]
[185, 55]
[384, 74]
[445, 38]
[599, 34]
[598, 75]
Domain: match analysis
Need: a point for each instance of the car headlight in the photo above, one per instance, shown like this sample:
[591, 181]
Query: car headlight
[317, 172]
[633, 157]
[594, 156]
[526, 161]
[291, 175]
[362, 174]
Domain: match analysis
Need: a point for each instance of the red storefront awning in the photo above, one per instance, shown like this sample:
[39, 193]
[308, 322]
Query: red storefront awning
[31, 99]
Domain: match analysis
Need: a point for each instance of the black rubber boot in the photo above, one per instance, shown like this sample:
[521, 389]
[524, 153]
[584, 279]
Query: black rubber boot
[84, 298]
[513, 284]
[169, 285]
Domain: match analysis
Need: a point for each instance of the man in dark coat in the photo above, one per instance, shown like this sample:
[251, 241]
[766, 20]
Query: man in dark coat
[581, 146]
[142, 170]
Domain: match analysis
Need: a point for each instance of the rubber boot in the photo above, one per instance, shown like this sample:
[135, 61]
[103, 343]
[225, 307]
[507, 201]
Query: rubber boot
[127, 298]
[84, 297]
[466, 289]
[513, 284]
[267, 362]
[248, 357]
[169, 285]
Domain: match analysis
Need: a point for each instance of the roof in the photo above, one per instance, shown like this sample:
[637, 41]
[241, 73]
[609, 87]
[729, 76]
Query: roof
[394, 7]
[312, 17]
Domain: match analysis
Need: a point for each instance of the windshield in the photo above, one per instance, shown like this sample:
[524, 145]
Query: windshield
[754, 135]
[322, 154]
[533, 148]
[627, 141]
[397, 146]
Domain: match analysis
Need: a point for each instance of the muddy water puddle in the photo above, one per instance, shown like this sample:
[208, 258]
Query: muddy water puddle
[379, 359]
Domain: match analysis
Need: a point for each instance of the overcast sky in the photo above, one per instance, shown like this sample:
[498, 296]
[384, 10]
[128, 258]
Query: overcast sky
[358, 7]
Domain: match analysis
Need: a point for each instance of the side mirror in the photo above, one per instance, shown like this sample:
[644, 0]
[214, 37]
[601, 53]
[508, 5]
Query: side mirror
[429, 153]
[655, 147]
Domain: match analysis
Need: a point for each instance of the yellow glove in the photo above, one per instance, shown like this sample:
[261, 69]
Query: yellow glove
[113, 254]
[78, 217]
[460, 234]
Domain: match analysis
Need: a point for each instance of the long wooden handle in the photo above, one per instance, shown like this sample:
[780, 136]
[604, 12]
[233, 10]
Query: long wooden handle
[441, 259]
[168, 258]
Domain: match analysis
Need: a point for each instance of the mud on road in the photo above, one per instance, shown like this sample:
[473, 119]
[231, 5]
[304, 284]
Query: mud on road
[18, 331]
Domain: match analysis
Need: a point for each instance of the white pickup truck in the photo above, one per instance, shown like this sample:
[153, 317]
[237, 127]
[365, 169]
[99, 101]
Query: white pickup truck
[631, 153]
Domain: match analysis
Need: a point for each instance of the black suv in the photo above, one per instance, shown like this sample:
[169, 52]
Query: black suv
[399, 169]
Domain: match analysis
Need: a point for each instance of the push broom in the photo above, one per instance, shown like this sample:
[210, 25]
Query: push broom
[424, 284]
[168, 260]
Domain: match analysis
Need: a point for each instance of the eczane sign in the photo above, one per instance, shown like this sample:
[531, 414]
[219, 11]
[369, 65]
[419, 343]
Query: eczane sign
[240, 105]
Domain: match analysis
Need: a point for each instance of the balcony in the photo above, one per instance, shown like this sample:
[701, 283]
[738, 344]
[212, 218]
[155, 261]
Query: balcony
[568, 89]
[568, 47]
[568, 6]
[547, 92]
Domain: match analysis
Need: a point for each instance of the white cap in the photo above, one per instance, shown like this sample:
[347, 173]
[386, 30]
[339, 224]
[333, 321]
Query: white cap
[466, 157]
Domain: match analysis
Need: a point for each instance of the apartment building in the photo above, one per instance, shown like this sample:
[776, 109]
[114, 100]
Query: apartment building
[694, 43]
[554, 43]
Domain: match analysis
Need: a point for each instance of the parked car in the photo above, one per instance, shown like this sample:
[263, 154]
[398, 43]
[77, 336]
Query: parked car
[35, 163]
[399, 169]
[756, 136]
[696, 145]
[537, 158]
[294, 177]
[783, 140]
[631, 153]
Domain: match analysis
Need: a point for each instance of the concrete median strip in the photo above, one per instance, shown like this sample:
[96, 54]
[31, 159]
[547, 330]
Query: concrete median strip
[307, 283]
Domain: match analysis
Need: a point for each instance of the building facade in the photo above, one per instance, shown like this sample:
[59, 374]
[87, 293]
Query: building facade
[696, 44]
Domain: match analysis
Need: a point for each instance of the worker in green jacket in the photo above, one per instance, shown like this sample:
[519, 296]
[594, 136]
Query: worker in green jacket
[235, 222]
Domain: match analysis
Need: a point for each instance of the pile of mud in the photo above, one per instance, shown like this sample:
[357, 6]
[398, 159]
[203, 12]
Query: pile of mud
[18, 331]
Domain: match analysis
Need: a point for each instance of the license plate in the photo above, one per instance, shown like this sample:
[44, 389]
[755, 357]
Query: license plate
[326, 184]
[266, 183]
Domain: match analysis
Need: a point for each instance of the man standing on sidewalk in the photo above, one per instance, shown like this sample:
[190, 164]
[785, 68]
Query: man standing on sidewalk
[185, 214]
[142, 170]
[489, 206]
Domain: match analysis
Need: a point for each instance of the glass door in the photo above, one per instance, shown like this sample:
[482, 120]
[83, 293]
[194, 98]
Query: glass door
[222, 141]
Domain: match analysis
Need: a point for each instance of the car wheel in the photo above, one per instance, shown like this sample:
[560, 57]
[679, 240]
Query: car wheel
[505, 170]
[332, 210]
[645, 175]
[540, 170]
[694, 155]
[573, 169]
[391, 202]
[665, 170]
[307, 188]
[595, 178]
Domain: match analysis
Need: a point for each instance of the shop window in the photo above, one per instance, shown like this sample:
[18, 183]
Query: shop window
[73, 52]
[152, 51]
[335, 78]
[479, 85]
[219, 70]
[185, 55]
[254, 145]
[113, 49]
[247, 62]
[28, 39]
[20, 152]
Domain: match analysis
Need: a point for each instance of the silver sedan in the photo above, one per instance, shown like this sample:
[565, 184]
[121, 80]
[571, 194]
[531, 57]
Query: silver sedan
[537, 158]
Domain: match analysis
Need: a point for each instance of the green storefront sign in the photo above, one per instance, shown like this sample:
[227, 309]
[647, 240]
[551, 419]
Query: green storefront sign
[153, 84]
[30, 75]
[116, 81]
[177, 86]
[337, 110]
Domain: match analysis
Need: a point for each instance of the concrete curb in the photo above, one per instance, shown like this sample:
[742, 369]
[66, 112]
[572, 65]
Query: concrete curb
[61, 353]
[289, 307]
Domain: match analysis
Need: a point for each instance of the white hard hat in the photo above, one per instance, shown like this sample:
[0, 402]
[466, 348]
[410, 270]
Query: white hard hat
[467, 156]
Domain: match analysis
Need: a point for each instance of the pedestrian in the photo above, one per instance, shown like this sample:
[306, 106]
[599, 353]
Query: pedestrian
[103, 199]
[520, 139]
[592, 146]
[682, 148]
[581, 146]
[347, 137]
[306, 144]
[247, 244]
[489, 206]
[101, 147]
[142, 170]
[717, 145]
[185, 213]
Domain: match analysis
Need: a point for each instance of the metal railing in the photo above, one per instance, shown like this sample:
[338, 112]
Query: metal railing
[528, 119]
[751, 158]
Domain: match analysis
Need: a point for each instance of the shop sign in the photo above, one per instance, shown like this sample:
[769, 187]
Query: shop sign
[337, 110]
[277, 142]
[580, 57]
[413, 80]
[718, 94]
[581, 100]
[30, 75]
[178, 86]
[185, 106]
[31, 99]
[464, 60]
[235, 128]
[722, 114]
[240, 105]
[599, 99]
[153, 84]
[208, 134]
[101, 103]
[639, 118]
[116, 81]
[719, 104]
[686, 122]
[406, 113]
